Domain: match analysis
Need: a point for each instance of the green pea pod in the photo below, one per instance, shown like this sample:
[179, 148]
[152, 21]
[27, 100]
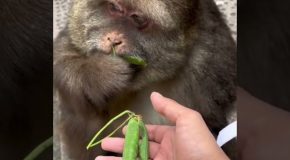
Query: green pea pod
[135, 60]
[144, 143]
[131, 140]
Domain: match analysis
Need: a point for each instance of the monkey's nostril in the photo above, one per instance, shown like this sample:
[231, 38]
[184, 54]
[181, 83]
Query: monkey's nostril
[116, 43]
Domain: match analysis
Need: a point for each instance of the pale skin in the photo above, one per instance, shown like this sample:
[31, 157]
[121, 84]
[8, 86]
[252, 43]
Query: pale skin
[188, 139]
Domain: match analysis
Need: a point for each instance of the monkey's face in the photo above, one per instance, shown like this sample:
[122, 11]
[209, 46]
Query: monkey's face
[155, 30]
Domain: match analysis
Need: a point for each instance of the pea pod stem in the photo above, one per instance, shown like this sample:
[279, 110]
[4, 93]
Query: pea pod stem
[92, 143]
[114, 51]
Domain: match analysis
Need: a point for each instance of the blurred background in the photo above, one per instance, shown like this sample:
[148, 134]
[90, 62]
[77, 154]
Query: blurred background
[264, 50]
[25, 77]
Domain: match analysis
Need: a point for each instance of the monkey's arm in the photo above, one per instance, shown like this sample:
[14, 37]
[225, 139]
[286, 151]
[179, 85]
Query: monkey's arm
[93, 78]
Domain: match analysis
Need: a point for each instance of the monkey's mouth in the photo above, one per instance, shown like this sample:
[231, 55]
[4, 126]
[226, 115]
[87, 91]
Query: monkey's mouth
[133, 59]
[137, 63]
[136, 59]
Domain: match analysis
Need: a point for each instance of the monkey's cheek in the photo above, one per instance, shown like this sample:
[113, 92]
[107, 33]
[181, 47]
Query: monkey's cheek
[105, 47]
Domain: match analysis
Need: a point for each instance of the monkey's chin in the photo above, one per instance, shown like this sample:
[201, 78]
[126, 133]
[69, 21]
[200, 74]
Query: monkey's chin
[141, 80]
[135, 83]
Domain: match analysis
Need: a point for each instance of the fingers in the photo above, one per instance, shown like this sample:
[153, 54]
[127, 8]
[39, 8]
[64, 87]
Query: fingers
[113, 144]
[167, 107]
[183, 117]
[108, 158]
[116, 145]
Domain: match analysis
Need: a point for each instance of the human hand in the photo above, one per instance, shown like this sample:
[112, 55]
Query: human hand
[189, 139]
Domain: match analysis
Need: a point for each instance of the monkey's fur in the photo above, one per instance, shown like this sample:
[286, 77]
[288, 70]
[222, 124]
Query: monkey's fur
[190, 55]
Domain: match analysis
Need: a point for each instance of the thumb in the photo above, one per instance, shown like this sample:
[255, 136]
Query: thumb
[169, 108]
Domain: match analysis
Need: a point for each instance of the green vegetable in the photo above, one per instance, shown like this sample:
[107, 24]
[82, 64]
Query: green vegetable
[135, 60]
[136, 129]
[131, 140]
[144, 143]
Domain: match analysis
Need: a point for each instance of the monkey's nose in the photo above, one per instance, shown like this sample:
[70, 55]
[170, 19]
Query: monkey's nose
[114, 42]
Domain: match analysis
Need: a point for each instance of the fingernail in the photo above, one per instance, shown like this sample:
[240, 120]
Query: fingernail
[99, 158]
[156, 94]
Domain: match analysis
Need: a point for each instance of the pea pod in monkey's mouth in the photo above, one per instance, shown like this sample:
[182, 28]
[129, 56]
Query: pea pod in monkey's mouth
[132, 59]
[136, 60]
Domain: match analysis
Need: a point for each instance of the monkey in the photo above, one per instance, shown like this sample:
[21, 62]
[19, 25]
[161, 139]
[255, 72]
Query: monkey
[190, 56]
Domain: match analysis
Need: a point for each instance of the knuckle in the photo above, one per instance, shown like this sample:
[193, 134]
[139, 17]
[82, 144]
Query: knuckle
[195, 114]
